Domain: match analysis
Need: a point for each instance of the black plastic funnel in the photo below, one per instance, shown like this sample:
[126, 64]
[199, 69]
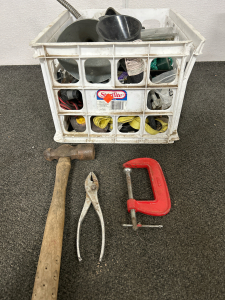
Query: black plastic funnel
[119, 28]
[84, 30]
[111, 12]
[80, 31]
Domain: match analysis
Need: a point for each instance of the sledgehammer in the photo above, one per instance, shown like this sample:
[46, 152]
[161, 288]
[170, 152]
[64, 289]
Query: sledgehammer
[47, 275]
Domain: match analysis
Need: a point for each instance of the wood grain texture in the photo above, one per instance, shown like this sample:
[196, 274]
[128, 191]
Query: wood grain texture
[47, 275]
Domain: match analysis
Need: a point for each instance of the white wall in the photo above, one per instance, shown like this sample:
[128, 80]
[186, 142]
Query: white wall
[21, 21]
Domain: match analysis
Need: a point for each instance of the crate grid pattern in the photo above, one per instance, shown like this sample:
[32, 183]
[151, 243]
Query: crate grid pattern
[182, 51]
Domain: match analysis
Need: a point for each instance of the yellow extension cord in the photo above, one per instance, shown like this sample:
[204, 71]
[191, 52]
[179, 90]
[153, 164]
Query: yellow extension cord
[102, 122]
[134, 122]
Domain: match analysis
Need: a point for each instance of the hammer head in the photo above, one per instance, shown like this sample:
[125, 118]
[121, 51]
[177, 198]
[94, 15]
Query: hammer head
[81, 152]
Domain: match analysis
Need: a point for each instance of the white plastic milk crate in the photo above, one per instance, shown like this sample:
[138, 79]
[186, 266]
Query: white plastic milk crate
[129, 100]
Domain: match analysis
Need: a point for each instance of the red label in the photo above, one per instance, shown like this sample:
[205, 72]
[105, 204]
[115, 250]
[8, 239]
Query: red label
[115, 94]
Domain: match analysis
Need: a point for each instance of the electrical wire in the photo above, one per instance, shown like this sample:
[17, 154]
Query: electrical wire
[70, 104]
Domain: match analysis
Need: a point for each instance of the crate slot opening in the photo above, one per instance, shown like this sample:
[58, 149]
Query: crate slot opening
[75, 123]
[128, 124]
[130, 71]
[163, 70]
[101, 124]
[159, 99]
[97, 70]
[70, 99]
[156, 124]
[66, 71]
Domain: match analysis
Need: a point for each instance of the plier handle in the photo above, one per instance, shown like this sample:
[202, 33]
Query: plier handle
[91, 187]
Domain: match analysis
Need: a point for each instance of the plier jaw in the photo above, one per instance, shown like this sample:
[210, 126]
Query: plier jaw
[91, 183]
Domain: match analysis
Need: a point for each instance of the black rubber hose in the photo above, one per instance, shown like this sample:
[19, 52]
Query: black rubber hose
[70, 8]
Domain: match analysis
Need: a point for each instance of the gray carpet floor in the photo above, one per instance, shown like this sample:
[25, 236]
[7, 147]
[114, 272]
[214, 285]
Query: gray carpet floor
[183, 260]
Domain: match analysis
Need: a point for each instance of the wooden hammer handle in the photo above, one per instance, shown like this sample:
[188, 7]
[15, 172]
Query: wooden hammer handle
[47, 275]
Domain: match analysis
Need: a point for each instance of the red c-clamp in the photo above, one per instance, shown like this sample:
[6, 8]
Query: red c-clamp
[161, 204]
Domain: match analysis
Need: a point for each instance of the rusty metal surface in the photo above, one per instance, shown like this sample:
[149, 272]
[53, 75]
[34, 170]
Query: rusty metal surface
[129, 185]
[81, 152]
[133, 219]
[139, 225]
[130, 194]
